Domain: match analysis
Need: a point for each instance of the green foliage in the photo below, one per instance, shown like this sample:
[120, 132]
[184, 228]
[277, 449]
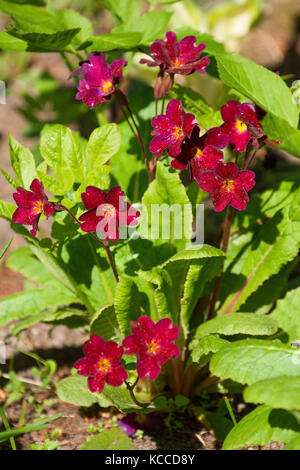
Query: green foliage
[286, 314]
[250, 360]
[262, 426]
[238, 323]
[109, 439]
[279, 392]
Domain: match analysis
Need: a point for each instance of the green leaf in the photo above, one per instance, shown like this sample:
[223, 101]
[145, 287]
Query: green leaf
[72, 19]
[250, 79]
[30, 17]
[30, 302]
[124, 10]
[274, 244]
[45, 42]
[109, 439]
[286, 314]
[278, 129]
[104, 324]
[22, 162]
[113, 41]
[293, 444]
[127, 305]
[174, 213]
[203, 348]
[251, 360]
[61, 149]
[238, 323]
[5, 248]
[8, 42]
[74, 390]
[262, 426]
[104, 142]
[279, 392]
[6, 210]
[152, 25]
[194, 103]
[10, 179]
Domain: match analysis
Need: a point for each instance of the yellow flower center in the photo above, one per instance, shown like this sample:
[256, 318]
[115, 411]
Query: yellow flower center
[176, 63]
[104, 364]
[38, 207]
[228, 185]
[197, 153]
[240, 126]
[108, 210]
[177, 133]
[153, 347]
[106, 86]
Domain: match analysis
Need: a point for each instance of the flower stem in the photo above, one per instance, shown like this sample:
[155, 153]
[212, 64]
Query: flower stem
[130, 388]
[59, 207]
[224, 246]
[123, 102]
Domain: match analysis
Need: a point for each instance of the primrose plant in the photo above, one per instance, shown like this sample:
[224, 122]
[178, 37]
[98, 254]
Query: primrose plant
[162, 315]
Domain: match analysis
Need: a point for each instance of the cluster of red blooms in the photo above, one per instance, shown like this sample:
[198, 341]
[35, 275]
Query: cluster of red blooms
[152, 344]
[100, 205]
[176, 131]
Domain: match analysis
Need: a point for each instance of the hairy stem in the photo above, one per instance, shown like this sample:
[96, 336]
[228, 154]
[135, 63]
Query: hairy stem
[130, 388]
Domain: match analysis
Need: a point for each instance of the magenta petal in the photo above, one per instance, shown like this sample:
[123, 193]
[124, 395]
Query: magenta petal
[201, 65]
[209, 182]
[89, 221]
[116, 376]
[247, 114]
[134, 345]
[217, 138]
[144, 328]
[166, 351]
[174, 147]
[116, 70]
[116, 197]
[93, 197]
[221, 198]
[113, 352]
[37, 188]
[227, 170]
[177, 165]
[174, 112]
[86, 367]
[230, 110]
[158, 145]
[188, 51]
[164, 330]
[25, 198]
[96, 384]
[94, 347]
[23, 216]
[239, 198]
[246, 179]
[148, 366]
[188, 124]
[48, 209]
[170, 44]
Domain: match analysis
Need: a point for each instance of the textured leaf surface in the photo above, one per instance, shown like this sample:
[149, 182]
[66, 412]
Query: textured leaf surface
[279, 392]
[238, 323]
[249, 361]
[109, 439]
[262, 426]
[103, 143]
[287, 314]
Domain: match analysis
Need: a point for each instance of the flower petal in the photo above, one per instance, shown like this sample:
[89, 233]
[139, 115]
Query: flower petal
[93, 197]
[86, 367]
[246, 179]
[221, 198]
[116, 376]
[96, 384]
[167, 351]
[89, 221]
[94, 347]
[164, 331]
[227, 170]
[230, 110]
[148, 366]
[113, 352]
[239, 198]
